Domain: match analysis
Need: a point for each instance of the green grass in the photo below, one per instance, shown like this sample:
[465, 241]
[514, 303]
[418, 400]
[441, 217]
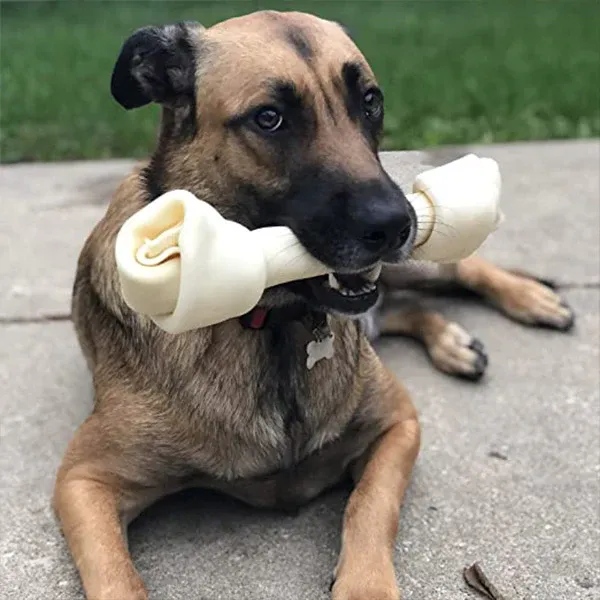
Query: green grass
[452, 71]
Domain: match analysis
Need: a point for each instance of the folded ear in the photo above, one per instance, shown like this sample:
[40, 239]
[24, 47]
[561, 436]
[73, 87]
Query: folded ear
[156, 64]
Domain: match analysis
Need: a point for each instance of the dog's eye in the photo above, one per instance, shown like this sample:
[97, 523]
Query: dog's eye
[269, 119]
[373, 103]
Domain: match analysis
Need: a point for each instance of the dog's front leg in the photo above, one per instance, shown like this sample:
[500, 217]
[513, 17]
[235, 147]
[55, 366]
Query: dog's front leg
[89, 515]
[94, 504]
[365, 569]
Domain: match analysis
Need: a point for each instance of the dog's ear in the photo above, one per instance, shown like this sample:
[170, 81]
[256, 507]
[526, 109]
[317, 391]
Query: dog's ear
[156, 64]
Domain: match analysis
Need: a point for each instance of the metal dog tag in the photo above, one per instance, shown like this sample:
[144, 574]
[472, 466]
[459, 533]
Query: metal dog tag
[322, 346]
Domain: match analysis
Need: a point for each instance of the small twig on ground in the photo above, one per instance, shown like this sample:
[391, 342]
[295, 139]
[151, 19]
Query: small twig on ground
[476, 579]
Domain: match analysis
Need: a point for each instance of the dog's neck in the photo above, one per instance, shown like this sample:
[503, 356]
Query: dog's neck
[262, 317]
[155, 176]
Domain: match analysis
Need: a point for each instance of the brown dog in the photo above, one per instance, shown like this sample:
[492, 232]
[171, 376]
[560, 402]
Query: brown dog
[274, 119]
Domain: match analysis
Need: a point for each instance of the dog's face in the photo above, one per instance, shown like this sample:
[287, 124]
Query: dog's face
[275, 118]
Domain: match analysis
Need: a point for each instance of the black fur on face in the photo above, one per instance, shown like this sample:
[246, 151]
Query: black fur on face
[346, 223]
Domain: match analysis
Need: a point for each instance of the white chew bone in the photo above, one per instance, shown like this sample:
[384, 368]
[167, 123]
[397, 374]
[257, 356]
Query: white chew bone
[185, 266]
[456, 207]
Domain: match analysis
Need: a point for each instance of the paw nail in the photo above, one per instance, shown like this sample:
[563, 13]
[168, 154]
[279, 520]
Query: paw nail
[569, 324]
[480, 364]
[476, 346]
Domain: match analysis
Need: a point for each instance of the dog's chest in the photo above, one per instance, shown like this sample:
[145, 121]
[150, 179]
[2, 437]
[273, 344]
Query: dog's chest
[263, 410]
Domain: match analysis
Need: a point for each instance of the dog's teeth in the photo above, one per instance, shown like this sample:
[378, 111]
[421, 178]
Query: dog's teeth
[335, 284]
[368, 288]
[373, 274]
[365, 289]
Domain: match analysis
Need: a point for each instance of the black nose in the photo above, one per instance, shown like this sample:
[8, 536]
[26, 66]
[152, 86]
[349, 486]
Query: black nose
[383, 223]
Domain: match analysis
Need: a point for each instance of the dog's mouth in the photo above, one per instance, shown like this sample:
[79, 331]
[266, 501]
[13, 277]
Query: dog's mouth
[347, 293]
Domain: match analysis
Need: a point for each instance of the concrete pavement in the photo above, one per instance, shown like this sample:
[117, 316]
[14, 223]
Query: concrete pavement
[509, 473]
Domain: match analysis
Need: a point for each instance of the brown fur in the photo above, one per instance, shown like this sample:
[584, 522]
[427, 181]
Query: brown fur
[224, 407]
[516, 293]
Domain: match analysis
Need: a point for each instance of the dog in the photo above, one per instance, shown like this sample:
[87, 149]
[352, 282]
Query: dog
[275, 119]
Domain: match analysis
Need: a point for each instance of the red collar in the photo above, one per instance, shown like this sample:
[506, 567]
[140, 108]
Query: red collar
[261, 317]
[256, 318]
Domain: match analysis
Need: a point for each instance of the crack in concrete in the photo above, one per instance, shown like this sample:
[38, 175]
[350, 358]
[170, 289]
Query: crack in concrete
[58, 317]
[577, 285]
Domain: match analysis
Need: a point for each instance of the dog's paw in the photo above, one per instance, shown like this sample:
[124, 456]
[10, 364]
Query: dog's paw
[365, 593]
[456, 352]
[536, 304]
[364, 590]
[133, 591]
[364, 581]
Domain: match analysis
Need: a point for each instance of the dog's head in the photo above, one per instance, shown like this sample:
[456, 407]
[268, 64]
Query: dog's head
[275, 118]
